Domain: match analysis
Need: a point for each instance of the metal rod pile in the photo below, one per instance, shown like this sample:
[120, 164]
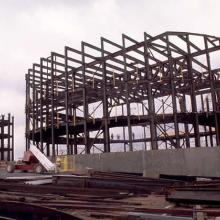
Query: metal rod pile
[108, 195]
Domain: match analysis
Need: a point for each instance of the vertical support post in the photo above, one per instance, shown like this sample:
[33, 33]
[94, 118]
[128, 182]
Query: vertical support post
[27, 110]
[105, 102]
[85, 103]
[37, 111]
[205, 130]
[12, 141]
[164, 125]
[47, 125]
[2, 137]
[48, 149]
[213, 93]
[33, 107]
[41, 105]
[173, 92]
[151, 110]
[186, 126]
[127, 89]
[210, 128]
[75, 144]
[122, 110]
[9, 139]
[192, 94]
[52, 107]
[145, 142]
[67, 101]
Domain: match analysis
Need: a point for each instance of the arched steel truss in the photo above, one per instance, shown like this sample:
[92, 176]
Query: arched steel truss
[165, 87]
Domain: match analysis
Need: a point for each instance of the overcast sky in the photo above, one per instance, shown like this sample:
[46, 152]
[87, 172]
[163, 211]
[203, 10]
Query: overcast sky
[30, 29]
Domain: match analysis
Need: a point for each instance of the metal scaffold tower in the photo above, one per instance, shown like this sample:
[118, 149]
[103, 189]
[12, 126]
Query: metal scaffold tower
[159, 93]
[7, 138]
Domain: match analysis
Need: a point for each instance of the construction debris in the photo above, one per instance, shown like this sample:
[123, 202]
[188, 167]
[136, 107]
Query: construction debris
[108, 195]
[198, 192]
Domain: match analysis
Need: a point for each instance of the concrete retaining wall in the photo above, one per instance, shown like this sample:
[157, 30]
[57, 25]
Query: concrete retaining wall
[192, 161]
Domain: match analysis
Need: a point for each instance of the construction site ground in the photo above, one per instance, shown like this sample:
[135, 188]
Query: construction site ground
[103, 195]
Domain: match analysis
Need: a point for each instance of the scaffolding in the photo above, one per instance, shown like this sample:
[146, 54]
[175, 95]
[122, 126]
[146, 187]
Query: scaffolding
[7, 138]
[158, 93]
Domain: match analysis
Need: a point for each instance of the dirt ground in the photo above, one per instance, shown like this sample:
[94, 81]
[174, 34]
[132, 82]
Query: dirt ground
[151, 201]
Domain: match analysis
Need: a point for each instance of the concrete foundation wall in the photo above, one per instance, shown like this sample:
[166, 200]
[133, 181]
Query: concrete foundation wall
[192, 161]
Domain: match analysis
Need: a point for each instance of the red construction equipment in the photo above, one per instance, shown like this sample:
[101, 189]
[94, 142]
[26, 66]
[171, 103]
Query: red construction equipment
[28, 163]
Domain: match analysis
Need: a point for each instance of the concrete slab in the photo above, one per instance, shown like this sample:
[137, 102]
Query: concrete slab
[191, 161]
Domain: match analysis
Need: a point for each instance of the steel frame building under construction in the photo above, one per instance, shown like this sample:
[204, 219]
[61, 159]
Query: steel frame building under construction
[158, 93]
[7, 138]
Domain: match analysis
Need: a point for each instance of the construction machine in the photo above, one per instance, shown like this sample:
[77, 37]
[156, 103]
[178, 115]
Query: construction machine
[33, 160]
